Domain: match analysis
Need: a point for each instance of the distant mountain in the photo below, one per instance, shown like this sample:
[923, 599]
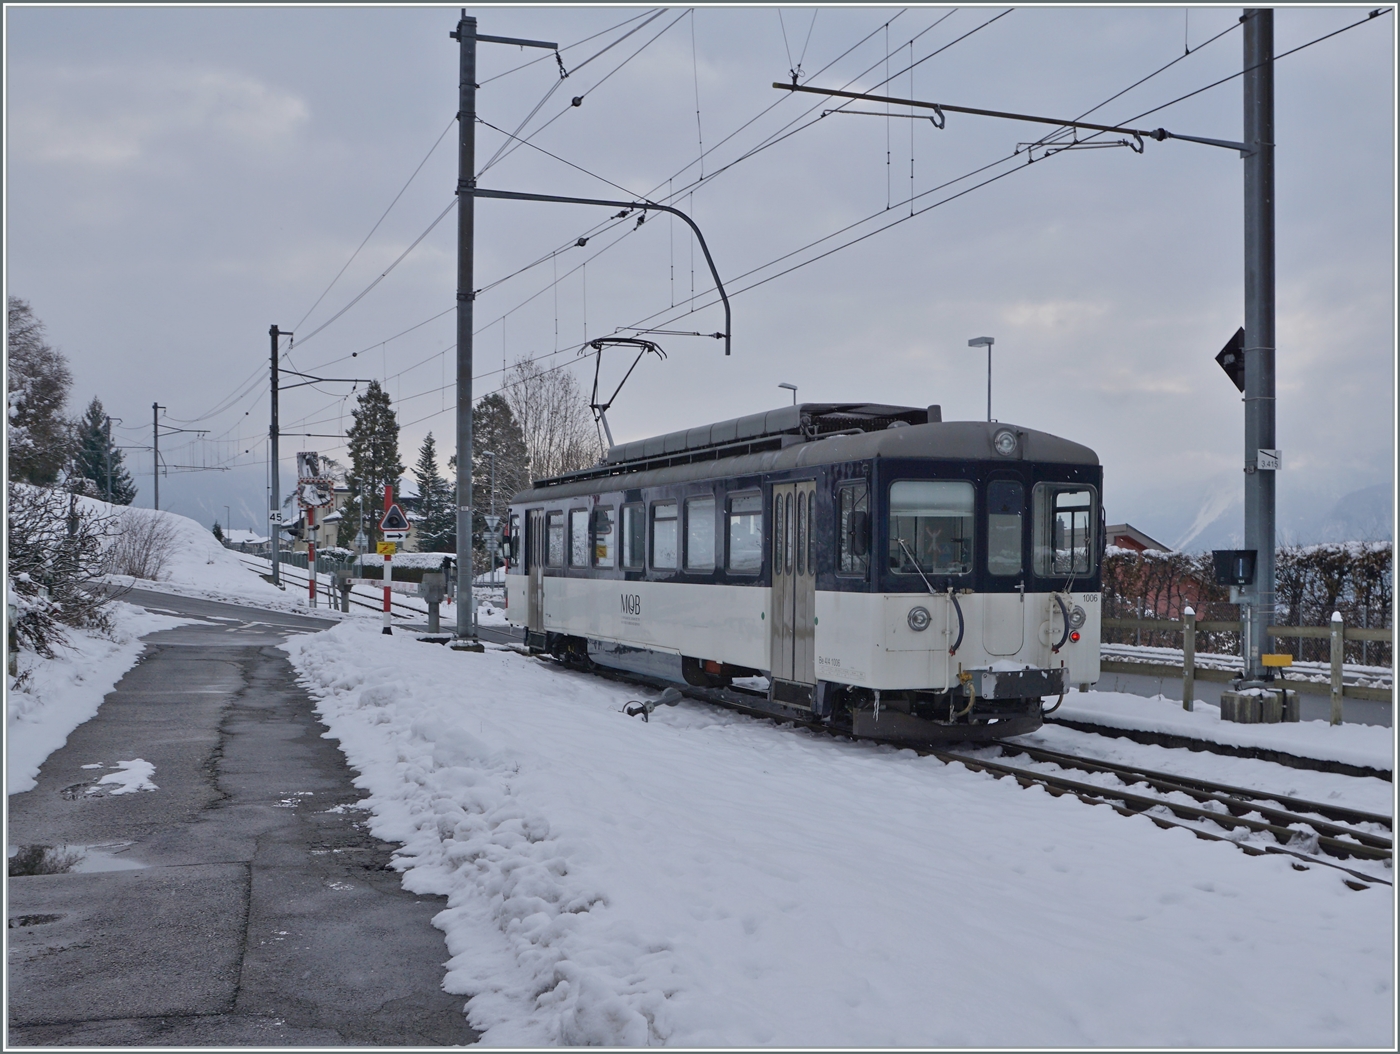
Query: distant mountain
[1363, 515]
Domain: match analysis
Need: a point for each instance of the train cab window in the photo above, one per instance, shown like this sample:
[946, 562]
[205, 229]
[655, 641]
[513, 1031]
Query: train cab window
[853, 551]
[931, 527]
[663, 536]
[1006, 500]
[604, 540]
[700, 534]
[554, 531]
[578, 538]
[1064, 529]
[634, 536]
[746, 533]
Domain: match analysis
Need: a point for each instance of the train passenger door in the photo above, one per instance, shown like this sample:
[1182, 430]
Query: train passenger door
[534, 570]
[794, 595]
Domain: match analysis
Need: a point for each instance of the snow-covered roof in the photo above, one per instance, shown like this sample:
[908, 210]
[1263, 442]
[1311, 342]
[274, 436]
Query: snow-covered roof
[238, 536]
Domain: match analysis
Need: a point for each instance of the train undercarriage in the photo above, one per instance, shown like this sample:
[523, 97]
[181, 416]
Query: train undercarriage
[986, 706]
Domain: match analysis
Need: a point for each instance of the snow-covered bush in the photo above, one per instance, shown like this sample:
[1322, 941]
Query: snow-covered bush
[56, 543]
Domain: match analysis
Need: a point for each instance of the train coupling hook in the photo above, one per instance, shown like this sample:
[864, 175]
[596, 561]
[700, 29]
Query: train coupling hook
[643, 708]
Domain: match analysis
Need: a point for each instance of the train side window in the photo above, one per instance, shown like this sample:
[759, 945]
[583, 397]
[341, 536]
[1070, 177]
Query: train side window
[604, 541]
[746, 533]
[700, 534]
[801, 533]
[1006, 502]
[663, 536]
[1063, 527]
[578, 538]
[931, 526]
[853, 553]
[634, 536]
[812, 532]
[554, 530]
[778, 541]
[513, 542]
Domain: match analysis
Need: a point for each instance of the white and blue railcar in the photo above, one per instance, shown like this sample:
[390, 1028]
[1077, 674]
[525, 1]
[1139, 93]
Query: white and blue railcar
[888, 572]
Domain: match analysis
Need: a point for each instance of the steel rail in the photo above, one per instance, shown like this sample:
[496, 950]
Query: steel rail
[1141, 803]
[1242, 797]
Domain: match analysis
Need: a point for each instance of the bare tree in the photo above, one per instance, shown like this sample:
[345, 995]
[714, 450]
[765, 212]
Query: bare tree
[549, 405]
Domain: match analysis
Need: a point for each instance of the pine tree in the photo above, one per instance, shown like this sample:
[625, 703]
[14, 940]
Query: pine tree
[92, 453]
[37, 436]
[495, 428]
[218, 531]
[374, 463]
[437, 529]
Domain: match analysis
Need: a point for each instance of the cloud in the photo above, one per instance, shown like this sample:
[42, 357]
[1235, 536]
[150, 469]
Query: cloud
[1071, 315]
[117, 117]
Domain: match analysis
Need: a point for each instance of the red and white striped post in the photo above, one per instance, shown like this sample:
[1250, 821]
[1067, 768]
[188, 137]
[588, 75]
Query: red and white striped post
[388, 566]
[311, 553]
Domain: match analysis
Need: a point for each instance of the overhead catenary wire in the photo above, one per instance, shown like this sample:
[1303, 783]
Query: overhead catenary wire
[961, 193]
[567, 47]
[771, 140]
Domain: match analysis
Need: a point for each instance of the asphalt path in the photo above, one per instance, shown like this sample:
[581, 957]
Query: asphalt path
[243, 902]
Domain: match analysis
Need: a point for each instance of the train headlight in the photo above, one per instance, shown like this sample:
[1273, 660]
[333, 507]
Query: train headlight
[919, 619]
[1076, 618]
[1005, 442]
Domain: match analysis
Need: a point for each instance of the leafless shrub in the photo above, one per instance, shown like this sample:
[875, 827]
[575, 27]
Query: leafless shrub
[55, 566]
[142, 545]
[1313, 581]
[43, 860]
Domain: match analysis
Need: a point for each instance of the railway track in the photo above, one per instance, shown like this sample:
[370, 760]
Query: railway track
[1312, 833]
[1331, 831]
[298, 578]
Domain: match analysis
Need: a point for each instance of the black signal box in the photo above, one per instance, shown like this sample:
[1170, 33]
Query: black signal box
[1234, 567]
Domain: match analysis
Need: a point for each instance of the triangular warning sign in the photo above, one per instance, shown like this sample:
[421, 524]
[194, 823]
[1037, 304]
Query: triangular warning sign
[394, 520]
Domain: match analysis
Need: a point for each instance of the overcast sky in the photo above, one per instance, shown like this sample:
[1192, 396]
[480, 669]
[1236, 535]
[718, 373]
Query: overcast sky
[178, 179]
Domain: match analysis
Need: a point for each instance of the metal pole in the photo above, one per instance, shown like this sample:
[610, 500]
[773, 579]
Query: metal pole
[388, 568]
[155, 455]
[1338, 642]
[1259, 486]
[466, 184]
[109, 457]
[275, 518]
[1188, 659]
[989, 382]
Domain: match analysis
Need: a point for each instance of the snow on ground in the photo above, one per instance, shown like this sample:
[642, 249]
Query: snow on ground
[707, 879]
[61, 693]
[1372, 746]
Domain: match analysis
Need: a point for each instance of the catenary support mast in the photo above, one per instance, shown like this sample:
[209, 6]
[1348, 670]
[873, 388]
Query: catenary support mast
[1259, 485]
[466, 217]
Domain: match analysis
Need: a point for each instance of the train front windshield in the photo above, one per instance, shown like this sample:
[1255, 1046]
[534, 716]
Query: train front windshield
[931, 526]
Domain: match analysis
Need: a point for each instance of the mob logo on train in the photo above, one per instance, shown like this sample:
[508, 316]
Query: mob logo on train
[631, 604]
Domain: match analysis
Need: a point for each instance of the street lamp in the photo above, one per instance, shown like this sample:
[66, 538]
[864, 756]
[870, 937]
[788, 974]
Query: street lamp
[985, 342]
[792, 388]
[227, 516]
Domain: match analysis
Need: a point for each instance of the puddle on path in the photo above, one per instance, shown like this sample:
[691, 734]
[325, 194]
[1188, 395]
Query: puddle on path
[70, 859]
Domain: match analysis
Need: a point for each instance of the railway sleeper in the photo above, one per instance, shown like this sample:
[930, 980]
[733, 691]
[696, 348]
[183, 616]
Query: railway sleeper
[1239, 794]
[1141, 803]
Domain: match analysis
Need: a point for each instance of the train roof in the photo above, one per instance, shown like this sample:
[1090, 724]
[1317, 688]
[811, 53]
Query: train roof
[803, 435]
